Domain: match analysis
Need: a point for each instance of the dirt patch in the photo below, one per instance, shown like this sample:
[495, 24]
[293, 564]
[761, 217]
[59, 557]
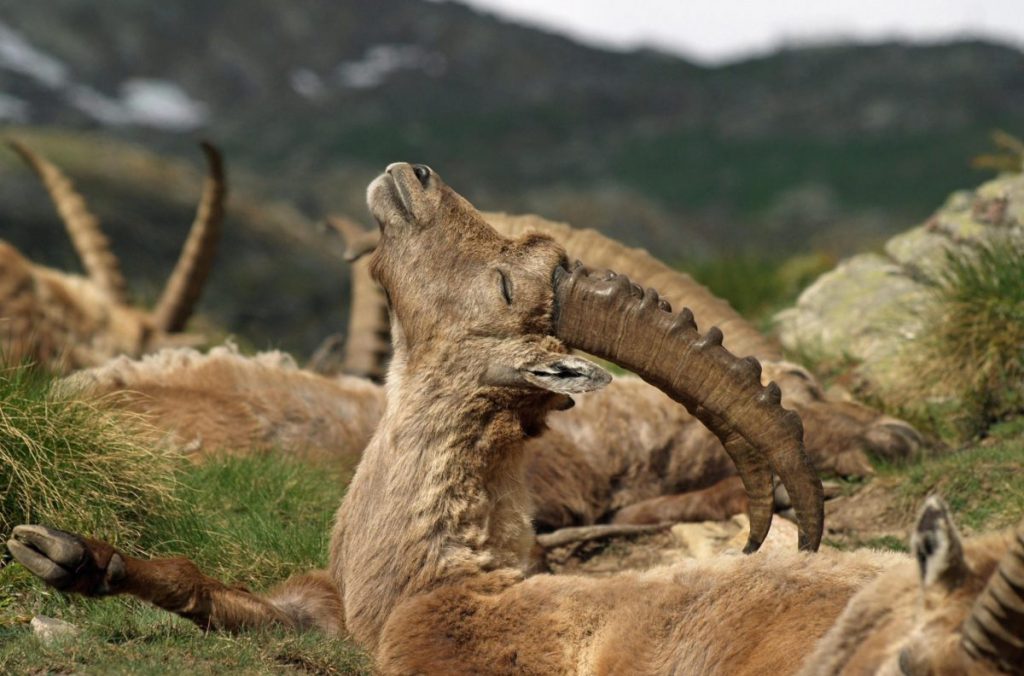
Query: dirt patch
[604, 550]
[876, 515]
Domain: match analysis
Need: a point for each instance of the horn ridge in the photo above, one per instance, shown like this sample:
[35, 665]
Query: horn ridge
[598, 250]
[184, 286]
[994, 631]
[604, 315]
[92, 246]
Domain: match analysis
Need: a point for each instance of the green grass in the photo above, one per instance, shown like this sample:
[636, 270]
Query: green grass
[250, 520]
[965, 371]
[983, 483]
[77, 462]
[757, 286]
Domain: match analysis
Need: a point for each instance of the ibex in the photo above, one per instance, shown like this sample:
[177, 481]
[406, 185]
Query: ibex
[838, 432]
[626, 453]
[426, 557]
[68, 321]
[226, 402]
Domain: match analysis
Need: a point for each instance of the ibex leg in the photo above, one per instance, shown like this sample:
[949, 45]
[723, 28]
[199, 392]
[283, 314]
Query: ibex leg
[75, 564]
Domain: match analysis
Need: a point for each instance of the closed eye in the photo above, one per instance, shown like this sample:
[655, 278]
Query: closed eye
[506, 287]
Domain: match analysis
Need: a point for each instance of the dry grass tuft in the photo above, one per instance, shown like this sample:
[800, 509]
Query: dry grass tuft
[77, 464]
[965, 371]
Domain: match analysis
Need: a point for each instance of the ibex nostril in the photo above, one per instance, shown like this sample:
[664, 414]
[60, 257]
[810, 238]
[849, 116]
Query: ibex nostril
[422, 172]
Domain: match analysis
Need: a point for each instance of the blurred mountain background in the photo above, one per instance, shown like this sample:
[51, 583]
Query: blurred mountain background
[824, 150]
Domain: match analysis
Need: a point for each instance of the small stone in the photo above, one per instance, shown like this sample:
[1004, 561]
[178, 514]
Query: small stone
[50, 629]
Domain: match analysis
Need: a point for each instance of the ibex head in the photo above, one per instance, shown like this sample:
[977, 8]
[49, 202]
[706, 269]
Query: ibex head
[504, 312]
[492, 295]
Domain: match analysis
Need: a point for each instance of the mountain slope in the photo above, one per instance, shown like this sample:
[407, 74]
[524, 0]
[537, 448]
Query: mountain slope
[830, 148]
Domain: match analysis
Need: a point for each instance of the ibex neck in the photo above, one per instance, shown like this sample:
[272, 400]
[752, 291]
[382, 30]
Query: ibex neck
[438, 496]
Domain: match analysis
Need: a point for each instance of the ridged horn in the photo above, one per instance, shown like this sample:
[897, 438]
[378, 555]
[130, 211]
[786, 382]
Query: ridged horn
[93, 247]
[368, 341]
[608, 316]
[994, 631]
[680, 289]
[185, 284]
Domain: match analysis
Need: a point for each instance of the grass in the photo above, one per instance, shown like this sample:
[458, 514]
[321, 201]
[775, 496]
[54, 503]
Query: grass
[983, 483]
[77, 463]
[250, 520]
[965, 371]
[757, 286]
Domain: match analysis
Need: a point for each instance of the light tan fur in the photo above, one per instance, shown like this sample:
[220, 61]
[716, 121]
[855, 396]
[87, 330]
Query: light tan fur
[224, 401]
[67, 321]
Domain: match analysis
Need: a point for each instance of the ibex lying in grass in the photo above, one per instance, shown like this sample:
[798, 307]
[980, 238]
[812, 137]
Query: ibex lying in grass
[626, 453]
[68, 321]
[425, 561]
[838, 432]
[224, 401]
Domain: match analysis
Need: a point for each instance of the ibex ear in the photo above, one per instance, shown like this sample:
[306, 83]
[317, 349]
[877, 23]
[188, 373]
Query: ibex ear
[936, 546]
[562, 374]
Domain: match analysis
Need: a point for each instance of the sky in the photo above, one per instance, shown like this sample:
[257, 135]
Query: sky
[716, 31]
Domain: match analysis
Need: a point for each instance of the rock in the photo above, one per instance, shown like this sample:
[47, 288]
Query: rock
[862, 315]
[50, 629]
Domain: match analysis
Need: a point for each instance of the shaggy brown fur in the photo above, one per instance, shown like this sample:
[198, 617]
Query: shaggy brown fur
[223, 401]
[67, 321]
[618, 455]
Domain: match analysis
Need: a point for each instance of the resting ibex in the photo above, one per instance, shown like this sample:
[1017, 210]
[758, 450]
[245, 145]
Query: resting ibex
[626, 453]
[224, 401]
[425, 561]
[838, 432]
[68, 321]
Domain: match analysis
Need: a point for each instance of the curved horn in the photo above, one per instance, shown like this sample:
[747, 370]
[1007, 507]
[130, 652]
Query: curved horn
[680, 289]
[358, 241]
[368, 341]
[186, 281]
[994, 631]
[610, 317]
[93, 247]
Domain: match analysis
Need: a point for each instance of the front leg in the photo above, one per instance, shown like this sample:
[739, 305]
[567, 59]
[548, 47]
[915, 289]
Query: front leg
[74, 564]
[715, 503]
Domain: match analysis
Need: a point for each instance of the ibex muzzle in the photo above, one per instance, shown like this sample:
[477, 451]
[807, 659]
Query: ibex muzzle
[450, 274]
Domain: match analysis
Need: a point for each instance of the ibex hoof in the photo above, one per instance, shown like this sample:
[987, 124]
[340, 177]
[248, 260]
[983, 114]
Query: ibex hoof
[53, 555]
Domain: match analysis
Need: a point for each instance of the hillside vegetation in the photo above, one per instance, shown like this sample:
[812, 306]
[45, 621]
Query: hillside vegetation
[780, 151]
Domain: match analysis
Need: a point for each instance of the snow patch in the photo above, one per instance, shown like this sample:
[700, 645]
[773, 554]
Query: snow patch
[144, 102]
[162, 103]
[16, 54]
[141, 101]
[380, 61]
[306, 83]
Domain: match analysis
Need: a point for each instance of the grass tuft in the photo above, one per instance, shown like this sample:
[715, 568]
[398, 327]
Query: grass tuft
[965, 370]
[982, 483]
[78, 464]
